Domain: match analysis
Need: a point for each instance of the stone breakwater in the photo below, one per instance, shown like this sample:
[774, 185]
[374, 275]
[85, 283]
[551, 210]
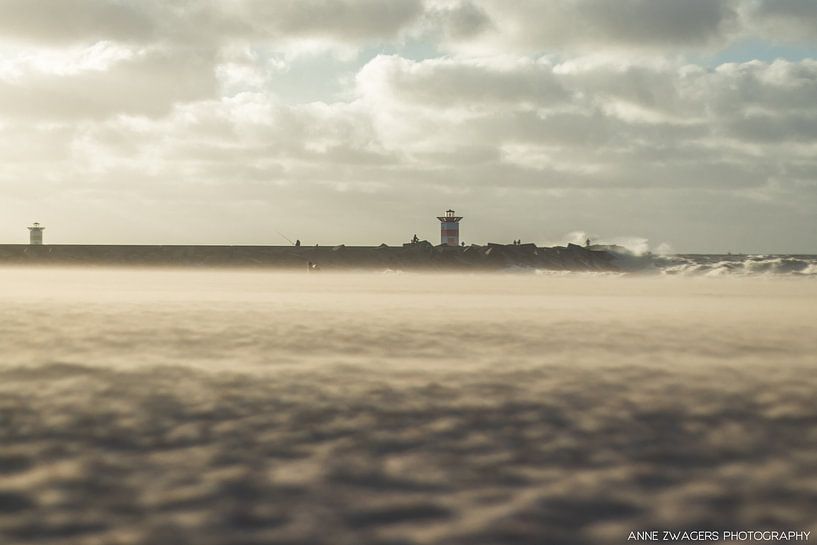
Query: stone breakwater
[417, 256]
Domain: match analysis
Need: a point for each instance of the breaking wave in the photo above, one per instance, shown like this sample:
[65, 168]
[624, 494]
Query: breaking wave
[736, 265]
[628, 263]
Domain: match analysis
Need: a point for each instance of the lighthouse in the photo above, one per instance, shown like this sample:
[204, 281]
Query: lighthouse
[449, 228]
[36, 237]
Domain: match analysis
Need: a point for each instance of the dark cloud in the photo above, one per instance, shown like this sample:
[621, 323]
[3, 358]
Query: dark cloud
[59, 22]
[539, 26]
[462, 20]
[480, 24]
[773, 129]
[785, 20]
[204, 22]
[344, 19]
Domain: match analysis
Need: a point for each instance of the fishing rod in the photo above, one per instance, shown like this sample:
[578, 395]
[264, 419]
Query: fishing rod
[285, 237]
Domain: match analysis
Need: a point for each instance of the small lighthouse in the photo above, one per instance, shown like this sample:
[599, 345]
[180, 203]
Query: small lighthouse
[36, 234]
[449, 228]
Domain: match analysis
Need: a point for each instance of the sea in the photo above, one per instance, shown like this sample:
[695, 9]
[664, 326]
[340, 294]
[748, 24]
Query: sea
[719, 265]
[712, 264]
[240, 407]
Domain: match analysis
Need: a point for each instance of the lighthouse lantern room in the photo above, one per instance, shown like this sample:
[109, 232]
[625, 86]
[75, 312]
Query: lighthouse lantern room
[36, 234]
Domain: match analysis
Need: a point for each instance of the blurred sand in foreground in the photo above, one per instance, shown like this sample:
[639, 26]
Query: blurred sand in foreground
[227, 407]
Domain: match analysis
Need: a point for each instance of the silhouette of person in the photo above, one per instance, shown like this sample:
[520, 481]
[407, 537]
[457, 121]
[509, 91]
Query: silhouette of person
[298, 243]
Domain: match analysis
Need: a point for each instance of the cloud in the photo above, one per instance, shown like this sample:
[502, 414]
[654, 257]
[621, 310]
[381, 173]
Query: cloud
[521, 128]
[560, 109]
[578, 104]
[530, 25]
[452, 83]
[104, 81]
[784, 20]
[343, 20]
[46, 21]
[456, 20]
[181, 21]
[486, 26]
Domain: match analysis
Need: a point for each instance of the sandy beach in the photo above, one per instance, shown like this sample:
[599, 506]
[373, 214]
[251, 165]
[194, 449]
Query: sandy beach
[223, 407]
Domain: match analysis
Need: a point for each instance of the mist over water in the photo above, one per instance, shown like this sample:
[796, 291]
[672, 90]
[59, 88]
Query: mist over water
[227, 407]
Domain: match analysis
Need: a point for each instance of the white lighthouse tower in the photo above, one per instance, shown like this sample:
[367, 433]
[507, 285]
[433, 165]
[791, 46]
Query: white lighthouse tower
[36, 234]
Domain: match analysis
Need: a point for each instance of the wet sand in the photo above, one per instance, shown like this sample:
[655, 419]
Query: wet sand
[196, 407]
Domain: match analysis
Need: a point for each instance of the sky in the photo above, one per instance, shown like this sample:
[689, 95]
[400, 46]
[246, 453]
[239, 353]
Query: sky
[683, 126]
